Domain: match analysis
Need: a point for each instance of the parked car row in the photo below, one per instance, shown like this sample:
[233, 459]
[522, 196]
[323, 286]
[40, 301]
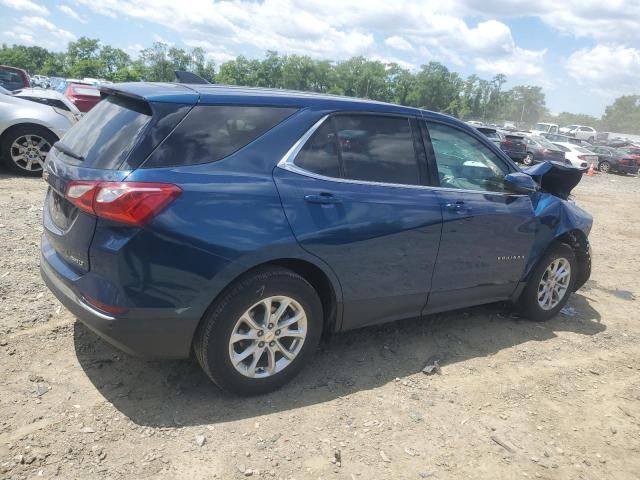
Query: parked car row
[546, 145]
[31, 121]
[84, 94]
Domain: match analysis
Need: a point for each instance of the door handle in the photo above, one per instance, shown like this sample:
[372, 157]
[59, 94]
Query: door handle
[322, 198]
[456, 207]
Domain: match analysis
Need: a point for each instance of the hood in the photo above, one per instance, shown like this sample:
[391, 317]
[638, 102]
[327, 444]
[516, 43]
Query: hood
[555, 178]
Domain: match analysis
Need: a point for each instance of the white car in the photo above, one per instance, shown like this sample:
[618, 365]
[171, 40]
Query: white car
[583, 133]
[568, 128]
[579, 156]
[28, 130]
[49, 97]
[543, 127]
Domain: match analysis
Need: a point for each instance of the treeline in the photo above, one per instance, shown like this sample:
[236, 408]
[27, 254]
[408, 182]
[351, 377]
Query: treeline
[433, 86]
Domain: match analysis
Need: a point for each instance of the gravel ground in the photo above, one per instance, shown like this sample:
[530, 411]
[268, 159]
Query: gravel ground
[558, 400]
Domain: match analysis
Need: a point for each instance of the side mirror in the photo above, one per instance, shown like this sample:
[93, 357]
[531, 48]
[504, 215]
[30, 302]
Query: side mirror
[519, 182]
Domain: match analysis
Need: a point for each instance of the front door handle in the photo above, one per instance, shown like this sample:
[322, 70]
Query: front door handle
[456, 207]
[322, 198]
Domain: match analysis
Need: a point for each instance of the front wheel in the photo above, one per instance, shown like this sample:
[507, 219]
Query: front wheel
[550, 284]
[260, 333]
[528, 159]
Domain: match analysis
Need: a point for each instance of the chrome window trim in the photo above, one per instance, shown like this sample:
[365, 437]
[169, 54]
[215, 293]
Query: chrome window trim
[287, 163]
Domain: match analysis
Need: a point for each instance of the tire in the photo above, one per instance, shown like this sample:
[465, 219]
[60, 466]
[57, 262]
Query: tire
[37, 140]
[528, 159]
[604, 167]
[529, 303]
[212, 343]
[591, 140]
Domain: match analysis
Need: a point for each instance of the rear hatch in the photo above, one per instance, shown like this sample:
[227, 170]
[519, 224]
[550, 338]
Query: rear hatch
[107, 144]
[516, 143]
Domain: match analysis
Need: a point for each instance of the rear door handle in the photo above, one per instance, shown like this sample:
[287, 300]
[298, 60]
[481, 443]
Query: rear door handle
[322, 198]
[456, 207]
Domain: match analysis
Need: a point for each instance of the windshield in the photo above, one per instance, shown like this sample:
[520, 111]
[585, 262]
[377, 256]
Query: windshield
[561, 147]
[543, 142]
[582, 150]
[541, 126]
[4, 91]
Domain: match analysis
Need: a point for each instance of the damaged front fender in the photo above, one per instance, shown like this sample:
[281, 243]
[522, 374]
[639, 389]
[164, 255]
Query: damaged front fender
[558, 217]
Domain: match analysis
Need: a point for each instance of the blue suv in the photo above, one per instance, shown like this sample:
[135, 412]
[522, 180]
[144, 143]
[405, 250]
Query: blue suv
[238, 225]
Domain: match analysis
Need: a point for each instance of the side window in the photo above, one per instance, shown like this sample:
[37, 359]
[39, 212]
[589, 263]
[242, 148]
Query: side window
[320, 153]
[377, 149]
[464, 162]
[209, 133]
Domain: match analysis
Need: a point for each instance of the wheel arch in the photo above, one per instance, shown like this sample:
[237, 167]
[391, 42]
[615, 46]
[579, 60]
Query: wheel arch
[15, 126]
[579, 242]
[321, 278]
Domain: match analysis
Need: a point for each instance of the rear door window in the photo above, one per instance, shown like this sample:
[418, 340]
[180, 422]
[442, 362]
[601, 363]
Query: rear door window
[211, 132]
[106, 135]
[377, 149]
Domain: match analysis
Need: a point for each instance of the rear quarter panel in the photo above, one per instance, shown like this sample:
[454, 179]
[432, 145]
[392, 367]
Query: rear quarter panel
[228, 219]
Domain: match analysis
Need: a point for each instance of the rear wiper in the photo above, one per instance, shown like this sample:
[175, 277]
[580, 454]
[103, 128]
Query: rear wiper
[67, 151]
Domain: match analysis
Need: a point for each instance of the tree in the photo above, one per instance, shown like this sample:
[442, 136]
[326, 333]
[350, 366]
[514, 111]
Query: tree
[436, 88]
[525, 104]
[31, 59]
[623, 115]
[112, 60]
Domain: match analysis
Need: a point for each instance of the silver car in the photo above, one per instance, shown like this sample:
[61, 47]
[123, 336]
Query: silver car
[30, 123]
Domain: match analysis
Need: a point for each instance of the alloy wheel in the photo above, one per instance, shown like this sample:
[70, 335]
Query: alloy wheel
[604, 167]
[29, 152]
[554, 283]
[268, 337]
[528, 159]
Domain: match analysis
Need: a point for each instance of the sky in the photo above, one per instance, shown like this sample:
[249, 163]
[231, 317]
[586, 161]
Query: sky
[583, 53]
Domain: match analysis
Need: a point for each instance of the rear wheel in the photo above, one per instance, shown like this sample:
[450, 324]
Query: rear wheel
[604, 167]
[25, 148]
[550, 284]
[261, 332]
[528, 159]
[591, 140]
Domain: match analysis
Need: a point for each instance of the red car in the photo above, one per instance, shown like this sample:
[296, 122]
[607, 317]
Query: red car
[13, 78]
[85, 97]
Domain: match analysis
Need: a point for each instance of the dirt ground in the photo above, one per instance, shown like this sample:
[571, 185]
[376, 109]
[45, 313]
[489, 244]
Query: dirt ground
[558, 400]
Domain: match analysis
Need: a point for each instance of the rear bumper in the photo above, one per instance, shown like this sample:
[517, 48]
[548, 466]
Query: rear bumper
[147, 333]
[633, 169]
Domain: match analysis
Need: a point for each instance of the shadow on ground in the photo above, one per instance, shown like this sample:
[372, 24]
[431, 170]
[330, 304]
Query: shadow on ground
[177, 393]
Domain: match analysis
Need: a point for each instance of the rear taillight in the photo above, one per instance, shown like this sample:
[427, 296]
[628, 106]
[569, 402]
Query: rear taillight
[133, 203]
[506, 143]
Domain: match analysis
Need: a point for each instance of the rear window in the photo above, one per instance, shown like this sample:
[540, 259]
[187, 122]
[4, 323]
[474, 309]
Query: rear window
[210, 133]
[89, 91]
[106, 135]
